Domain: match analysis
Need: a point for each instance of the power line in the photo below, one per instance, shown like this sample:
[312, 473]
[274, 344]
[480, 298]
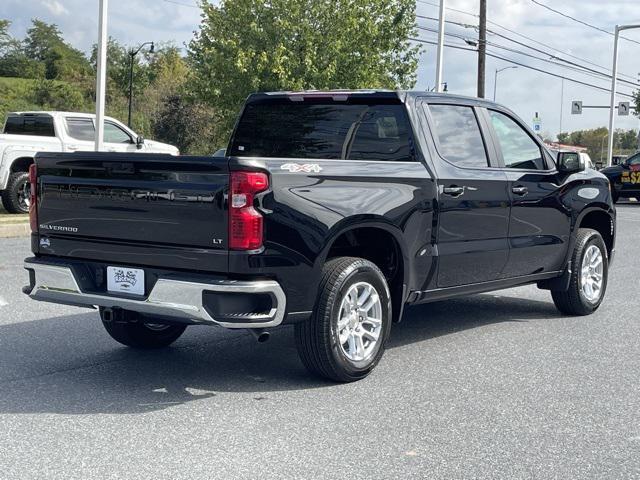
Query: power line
[182, 4]
[570, 65]
[582, 22]
[597, 87]
[530, 39]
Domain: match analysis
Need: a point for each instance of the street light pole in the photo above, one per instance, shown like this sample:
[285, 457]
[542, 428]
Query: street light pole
[495, 79]
[614, 74]
[101, 74]
[440, 53]
[133, 54]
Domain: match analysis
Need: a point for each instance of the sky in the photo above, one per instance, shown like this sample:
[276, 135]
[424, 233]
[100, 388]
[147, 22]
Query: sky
[525, 91]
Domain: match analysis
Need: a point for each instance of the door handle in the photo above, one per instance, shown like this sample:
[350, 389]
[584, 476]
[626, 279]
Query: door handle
[520, 190]
[453, 191]
[73, 148]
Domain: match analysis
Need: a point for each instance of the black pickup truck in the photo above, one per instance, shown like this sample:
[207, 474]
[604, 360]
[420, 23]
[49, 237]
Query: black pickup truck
[331, 211]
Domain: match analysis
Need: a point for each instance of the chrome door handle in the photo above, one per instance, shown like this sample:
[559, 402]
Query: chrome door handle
[520, 190]
[453, 191]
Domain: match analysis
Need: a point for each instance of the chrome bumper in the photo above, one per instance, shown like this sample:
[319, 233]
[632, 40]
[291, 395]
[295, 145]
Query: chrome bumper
[169, 298]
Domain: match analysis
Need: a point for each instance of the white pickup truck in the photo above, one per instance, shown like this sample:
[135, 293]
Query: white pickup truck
[26, 133]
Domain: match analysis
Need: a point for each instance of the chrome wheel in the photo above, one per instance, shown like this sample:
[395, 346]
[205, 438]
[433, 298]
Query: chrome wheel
[592, 274]
[360, 322]
[24, 196]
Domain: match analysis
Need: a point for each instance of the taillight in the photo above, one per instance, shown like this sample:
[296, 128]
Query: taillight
[33, 197]
[245, 222]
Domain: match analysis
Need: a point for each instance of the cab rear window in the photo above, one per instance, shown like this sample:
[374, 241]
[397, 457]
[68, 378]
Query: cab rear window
[38, 125]
[323, 130]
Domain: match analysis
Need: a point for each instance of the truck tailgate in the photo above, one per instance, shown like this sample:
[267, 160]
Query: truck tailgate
[155, 202]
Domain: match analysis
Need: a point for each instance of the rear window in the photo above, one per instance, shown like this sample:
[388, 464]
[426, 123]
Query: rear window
[39, 125]
[339, 131]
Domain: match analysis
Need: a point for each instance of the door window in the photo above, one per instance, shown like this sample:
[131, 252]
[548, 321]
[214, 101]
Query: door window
[635, 160]
[519, 150]
[114, 134]
[81, 129]
[459, 138]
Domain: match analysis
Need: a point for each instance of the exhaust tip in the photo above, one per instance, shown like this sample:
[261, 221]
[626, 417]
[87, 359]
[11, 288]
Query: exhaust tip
[260, 335]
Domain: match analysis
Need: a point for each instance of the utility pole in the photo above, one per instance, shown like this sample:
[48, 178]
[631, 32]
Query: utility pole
[612, 104]
[561, 102]
[440, 53]
[101, 78]
[482, 47]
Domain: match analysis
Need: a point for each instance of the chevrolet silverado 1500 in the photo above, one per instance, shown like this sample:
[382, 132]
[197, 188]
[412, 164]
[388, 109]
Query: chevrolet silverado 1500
[330, 211]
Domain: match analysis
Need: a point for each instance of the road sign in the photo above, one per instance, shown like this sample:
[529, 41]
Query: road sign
[623, 108]
[576, 107]
[537, 123]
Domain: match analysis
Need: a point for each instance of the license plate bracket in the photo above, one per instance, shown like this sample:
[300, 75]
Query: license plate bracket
[125, 280]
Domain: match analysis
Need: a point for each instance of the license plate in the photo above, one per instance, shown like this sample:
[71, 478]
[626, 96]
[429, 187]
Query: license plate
[125, 280]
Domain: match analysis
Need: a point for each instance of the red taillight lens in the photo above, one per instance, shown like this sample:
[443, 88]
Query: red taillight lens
[245, 222]
[33, 197]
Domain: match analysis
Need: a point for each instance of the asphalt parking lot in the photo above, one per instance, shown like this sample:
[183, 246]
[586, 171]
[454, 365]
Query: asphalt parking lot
[492, 386]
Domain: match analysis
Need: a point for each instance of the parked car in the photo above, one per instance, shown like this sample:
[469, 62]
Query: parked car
[624, 178]
[331, 211]
[26, 133]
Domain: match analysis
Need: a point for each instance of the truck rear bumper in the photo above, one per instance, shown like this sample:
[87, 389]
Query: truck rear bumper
[228, 303]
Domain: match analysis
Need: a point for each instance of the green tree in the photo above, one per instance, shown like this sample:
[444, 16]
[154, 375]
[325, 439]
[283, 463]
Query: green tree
[256, 45]
[13, 60]
[595, 140]
[53, 95]
[44, 43]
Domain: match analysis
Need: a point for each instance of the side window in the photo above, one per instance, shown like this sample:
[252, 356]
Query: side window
[81, 129]
[634, 160]
[382, 134]
[459, 138]
[519, 150]
[114, 134]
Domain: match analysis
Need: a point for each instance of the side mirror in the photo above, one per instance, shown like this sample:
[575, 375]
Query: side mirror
[570, 162]
[140, 142]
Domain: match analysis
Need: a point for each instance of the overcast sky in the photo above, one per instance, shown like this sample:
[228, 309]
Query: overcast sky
[525, 91]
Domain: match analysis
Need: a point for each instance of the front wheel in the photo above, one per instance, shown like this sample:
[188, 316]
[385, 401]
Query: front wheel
[588, 282]
[137, 334]
[346, 335]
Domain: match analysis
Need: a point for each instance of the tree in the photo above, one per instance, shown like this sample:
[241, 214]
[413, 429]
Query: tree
[187, 125]
[44, 43]
[595, 141]
[256, 45]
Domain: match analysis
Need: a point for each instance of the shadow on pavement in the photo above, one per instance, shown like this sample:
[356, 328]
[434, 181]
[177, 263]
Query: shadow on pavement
[69, 365]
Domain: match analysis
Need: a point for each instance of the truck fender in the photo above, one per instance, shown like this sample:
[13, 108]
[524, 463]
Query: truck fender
[9, 157]
[349, 224]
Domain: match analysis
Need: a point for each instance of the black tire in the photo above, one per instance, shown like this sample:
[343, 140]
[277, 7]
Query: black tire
[317, 339]
[13, 196]
[138, 334]
[573, 301]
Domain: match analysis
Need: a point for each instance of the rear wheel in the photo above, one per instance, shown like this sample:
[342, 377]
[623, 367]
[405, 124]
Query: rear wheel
[588, 282]
[346, 335]
[16, 197]
[135, 332]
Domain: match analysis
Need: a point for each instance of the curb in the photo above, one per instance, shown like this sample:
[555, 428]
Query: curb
[12, 226]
